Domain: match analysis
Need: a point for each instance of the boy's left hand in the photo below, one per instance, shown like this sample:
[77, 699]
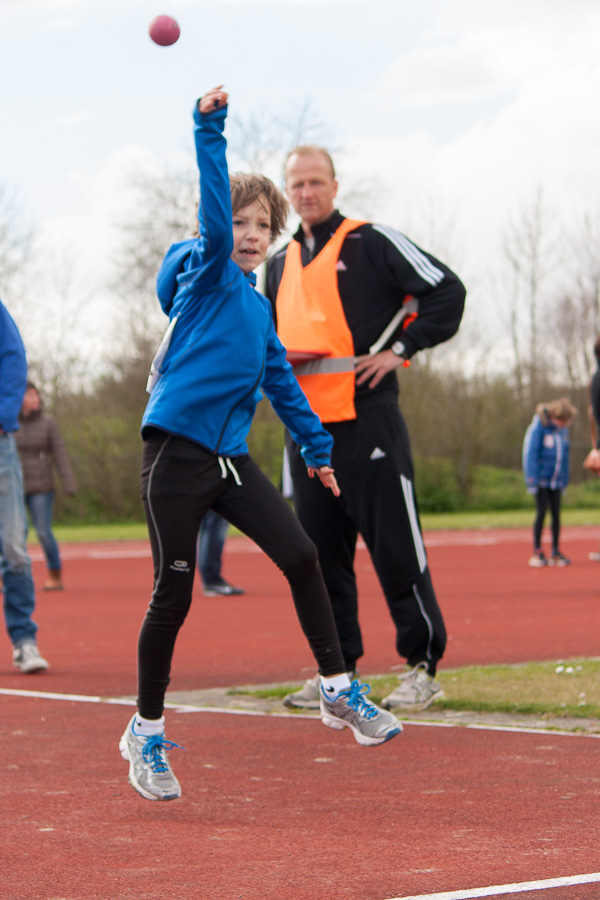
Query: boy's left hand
[213, 99]
[327, 478]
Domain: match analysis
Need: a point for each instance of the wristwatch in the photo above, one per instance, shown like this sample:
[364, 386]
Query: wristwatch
[398, 349]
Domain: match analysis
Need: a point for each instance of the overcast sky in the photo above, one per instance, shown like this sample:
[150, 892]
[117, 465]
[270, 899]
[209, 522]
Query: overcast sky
[463, 104]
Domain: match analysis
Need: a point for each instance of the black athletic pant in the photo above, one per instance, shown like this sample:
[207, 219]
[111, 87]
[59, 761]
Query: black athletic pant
[373, 465]
[180, 482]
[544, 499]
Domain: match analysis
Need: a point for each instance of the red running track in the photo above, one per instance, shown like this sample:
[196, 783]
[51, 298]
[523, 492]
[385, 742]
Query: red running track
[497, 610]
[282, 808]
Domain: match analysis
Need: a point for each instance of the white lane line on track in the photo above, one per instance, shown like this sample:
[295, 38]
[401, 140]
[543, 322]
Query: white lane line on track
[137, 549]
[502, 889]
[221, 710]
[117, 701]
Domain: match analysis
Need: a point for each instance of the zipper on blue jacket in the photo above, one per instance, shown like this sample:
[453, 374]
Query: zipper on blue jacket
[242, 399]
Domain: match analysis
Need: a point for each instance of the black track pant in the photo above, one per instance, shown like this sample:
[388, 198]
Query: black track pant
[544, 499]
[373, 466]
[180, 482]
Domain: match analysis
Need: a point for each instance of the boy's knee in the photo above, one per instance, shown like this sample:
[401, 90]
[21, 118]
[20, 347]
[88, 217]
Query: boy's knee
[302, 560]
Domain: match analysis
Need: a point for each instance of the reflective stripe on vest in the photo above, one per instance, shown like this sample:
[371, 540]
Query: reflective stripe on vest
[310, 319]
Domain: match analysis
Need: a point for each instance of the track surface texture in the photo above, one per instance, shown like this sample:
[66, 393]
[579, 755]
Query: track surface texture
[279, 807]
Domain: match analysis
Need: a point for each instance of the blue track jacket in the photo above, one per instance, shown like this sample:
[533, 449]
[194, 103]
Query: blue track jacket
[545, 455]
[223, 349]
[13, 372]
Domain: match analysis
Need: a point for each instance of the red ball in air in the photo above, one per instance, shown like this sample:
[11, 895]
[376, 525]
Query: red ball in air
[164, 31]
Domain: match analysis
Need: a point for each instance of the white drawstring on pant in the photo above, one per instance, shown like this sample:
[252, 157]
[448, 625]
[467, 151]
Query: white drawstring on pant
[225, 464]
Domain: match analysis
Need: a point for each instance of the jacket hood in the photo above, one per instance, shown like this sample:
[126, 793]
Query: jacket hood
[541, 410]
[173, 265]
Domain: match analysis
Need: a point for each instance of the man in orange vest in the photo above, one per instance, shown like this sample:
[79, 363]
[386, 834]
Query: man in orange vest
[354, 301]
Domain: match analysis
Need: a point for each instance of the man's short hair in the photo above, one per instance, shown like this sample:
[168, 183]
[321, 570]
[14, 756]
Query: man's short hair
[246, 188]
[310, 150]
[597, 348]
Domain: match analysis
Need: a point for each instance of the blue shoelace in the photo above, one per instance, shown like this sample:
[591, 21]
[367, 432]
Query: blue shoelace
[153, 749]
[356, 699]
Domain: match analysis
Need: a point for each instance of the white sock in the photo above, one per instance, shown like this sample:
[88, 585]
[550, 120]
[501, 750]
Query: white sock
[148, 727]
[332, 687]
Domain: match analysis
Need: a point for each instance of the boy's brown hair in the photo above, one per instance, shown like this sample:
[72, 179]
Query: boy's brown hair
[246, 188]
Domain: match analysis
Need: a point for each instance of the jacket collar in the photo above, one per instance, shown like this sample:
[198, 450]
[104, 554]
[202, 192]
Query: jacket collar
[323, 231]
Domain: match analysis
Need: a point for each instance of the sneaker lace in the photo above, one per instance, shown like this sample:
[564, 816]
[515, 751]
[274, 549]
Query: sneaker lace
[355, 696]
[153, 752]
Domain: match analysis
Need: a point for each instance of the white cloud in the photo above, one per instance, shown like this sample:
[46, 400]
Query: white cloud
[75, 118]
[62, 25]
[491, 55]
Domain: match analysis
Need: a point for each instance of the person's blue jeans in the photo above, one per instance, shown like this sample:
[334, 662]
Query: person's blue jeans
[18, 597]
[211, 539]
[40, 510]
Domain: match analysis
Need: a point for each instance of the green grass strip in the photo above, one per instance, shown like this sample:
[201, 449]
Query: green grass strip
[560, 689]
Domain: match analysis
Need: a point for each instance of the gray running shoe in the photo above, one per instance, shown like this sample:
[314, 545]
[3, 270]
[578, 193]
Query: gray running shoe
[307, 697]
[150, 772]
[416, 690]
[538, 560]
[370, 725]
[221, 588]
[26, 657]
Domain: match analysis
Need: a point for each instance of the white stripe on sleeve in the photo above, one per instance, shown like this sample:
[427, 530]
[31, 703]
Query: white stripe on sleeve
[423, 266]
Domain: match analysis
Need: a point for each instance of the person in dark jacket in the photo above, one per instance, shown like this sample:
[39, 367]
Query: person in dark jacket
[40, 445]
[219, 353]
[361, 300]
[546, 462]
[18, 597]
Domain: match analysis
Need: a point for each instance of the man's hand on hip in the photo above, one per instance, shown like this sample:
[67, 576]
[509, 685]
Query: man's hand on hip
[372, 369]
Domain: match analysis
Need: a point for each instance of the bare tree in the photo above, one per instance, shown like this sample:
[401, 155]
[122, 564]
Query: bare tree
[576, 317]
[15, 243]
[59, 323]
[530, 251]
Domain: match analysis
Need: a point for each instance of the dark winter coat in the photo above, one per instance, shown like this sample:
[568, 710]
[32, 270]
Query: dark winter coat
[40, 444]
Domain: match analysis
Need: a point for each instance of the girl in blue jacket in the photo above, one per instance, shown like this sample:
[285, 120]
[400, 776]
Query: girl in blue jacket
[219, 354]
[546, 469]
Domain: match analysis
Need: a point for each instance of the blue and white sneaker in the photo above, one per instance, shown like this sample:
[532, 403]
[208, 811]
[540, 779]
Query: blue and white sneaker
[150, 771]
[370, 725]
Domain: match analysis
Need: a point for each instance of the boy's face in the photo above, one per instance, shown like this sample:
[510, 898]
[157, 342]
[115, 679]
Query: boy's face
[251, 234]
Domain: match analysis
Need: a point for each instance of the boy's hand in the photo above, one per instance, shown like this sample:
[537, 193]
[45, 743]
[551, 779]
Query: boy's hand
[327, 478]
[214, 99]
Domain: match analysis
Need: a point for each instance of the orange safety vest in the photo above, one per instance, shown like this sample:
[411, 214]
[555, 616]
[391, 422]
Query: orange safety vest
[310, 319]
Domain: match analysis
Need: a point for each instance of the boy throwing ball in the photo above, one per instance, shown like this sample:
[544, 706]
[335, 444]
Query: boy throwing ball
[219, 353]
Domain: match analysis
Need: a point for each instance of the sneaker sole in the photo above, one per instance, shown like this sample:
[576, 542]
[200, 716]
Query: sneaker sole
[362, 739]
[132, 780]
[33, 667]
[301, 704]
[417, 707]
